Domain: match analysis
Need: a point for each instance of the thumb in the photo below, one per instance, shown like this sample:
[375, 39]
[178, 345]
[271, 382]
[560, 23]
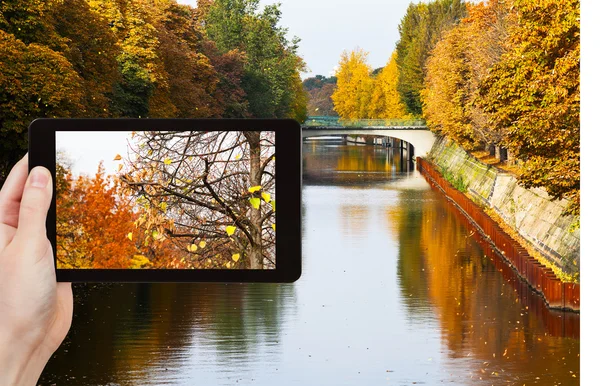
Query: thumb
[35, 203]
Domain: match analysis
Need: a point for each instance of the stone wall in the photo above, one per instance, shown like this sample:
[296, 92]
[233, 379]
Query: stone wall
[530, 212]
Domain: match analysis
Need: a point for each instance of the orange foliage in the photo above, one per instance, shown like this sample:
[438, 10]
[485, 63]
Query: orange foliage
[96, 226]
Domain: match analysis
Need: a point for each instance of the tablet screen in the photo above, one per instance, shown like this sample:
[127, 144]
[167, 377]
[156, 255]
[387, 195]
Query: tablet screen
[165, 200]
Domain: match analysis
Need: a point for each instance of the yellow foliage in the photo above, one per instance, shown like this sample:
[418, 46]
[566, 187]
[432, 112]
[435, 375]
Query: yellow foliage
[385, 100]
[354, 85]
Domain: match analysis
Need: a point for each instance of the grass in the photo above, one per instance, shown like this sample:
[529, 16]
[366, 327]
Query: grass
[457, 181]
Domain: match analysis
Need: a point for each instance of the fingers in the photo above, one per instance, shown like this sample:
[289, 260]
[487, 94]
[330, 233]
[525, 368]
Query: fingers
[10, 195]
[33, 210]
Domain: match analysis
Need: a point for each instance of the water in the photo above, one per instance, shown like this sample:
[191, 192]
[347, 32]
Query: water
[397, 289]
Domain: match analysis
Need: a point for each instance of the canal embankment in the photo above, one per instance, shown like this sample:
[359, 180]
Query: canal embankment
[477, 188]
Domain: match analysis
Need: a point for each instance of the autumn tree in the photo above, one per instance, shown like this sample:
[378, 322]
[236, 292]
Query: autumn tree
[533, 94]
[319, 90]
[455, 70]
[210, 192]
[35, 81]
[91, 47]
[351, 98]
[96, 225]
[420, 29]
[386, 102]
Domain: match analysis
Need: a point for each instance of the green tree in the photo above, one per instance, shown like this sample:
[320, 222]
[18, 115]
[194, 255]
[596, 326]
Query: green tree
[272, 64]
[420, 29]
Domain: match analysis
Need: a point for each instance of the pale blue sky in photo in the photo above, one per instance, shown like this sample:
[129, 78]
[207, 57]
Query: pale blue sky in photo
[86, 149]
[328, 27]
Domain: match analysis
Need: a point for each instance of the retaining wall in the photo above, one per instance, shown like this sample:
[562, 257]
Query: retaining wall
[556, 294]
[530, 212]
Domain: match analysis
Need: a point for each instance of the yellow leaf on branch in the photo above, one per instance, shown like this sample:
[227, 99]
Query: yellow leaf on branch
[235, 257]
[255, 202]
[266, 197]
[230, 230]
[253, 189]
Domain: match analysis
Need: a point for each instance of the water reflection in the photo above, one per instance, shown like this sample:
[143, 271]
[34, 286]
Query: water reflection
[396, 289]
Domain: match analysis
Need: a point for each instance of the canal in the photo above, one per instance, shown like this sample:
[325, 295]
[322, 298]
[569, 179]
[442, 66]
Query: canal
[397, 289]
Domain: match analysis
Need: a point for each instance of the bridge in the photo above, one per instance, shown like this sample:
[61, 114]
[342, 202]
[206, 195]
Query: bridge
[413, 131]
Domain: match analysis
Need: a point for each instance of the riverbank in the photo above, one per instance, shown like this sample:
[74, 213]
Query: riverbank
[471, 186]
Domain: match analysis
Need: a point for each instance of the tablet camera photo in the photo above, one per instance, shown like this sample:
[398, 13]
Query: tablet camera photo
[165, 200]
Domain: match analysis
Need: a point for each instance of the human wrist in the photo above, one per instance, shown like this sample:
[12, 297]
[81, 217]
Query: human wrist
[20, 364]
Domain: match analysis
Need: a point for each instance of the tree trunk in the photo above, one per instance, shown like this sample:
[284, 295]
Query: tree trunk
[255, 248]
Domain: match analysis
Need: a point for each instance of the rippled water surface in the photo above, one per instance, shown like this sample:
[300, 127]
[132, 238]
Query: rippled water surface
[397, 289]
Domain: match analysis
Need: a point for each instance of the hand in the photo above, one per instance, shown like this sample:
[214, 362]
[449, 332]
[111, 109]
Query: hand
[35, 311]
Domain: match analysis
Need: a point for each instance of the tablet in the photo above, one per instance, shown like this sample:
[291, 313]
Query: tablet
[172, 200]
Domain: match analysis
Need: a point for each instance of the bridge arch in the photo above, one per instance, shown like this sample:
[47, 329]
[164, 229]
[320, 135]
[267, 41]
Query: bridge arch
[422, 139]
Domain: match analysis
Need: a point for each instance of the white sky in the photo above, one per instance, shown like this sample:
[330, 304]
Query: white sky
[328, 27]
[86, 149]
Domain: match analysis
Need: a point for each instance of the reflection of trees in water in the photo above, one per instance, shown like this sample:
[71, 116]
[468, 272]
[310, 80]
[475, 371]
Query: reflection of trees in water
[350, 163]
[483, 309]
[412, 276]
[136, 330]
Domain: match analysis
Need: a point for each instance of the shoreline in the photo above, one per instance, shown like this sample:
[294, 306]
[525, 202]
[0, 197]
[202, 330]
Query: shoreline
[541, 279]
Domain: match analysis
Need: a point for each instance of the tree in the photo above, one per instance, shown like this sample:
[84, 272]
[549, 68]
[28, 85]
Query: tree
[420, 29]
[386, 102]
[210, 192]
[319, 90]
[271, 70]
[354, 85]
[533, 94]
[35, 81]
[97, 225]
[91, 47]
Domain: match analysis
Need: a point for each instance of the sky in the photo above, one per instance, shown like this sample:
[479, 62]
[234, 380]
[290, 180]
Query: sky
[328, 27]
[85, 149]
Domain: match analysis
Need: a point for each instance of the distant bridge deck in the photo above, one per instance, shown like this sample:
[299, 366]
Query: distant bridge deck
[413, 131]
[319, 123]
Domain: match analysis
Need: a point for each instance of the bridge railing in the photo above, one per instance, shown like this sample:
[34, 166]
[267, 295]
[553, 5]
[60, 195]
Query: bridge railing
[326, 121]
